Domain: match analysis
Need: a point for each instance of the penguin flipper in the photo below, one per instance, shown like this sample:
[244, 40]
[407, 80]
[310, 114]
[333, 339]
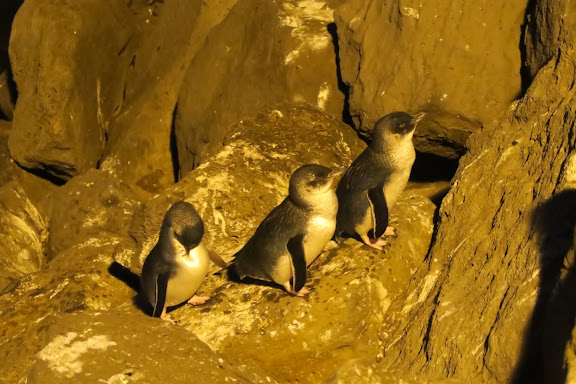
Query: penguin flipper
[160, 296]
[216, 259]
[295, 248]
[379, 209]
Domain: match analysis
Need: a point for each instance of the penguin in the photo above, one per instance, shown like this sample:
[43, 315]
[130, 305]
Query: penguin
[294, 233]
[178, 263]
[372, 184]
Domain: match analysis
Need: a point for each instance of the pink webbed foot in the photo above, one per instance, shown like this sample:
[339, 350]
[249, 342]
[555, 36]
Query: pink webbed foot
[301, 293]
[166, 317]
[198, 300]
[379, 243]
[390, 231]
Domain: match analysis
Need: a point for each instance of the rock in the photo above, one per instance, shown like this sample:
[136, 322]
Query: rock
[37, 190]
[482, 307]
[363, 371]
[443, 135]
[459, 58]
[141, 148]
[6, 94]
[8, 9]
[121, 347]
[262, 54]
[23, 233]
[70, 81]
[88, 206]
[297, 339]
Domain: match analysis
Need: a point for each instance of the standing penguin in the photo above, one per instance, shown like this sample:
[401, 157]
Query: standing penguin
[178, 263]
[294, 233]
[372, 184]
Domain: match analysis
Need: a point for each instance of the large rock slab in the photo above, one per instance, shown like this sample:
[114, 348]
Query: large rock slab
[70, 81]
[459, 58]
[23, 233]
[87, 207]
[142, 149]
[122, 347]
[296, 338]
[262, 54]
[493, 302]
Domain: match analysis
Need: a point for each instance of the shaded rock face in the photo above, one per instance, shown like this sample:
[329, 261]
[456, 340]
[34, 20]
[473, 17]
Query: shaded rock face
[23, 232]
[8, 9]
[460, 58]
[443, 135]
[142, 148]
[262, 54]
[87, 207]
[488, 305]
[66, 100]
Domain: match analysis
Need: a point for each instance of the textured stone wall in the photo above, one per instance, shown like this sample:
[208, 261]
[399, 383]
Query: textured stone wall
[459, 57]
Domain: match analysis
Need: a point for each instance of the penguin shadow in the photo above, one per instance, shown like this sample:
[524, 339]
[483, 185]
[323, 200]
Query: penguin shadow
[554, 315]
[271, 296]
[132, 280]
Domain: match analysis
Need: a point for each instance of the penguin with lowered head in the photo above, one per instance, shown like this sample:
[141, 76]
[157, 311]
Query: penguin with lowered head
[178, 263]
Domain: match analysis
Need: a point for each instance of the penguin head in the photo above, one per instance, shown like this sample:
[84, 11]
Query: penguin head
[394, 128]
[184, 224]
[310, 182]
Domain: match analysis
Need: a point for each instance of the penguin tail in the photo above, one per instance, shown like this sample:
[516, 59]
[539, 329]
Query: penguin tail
[233, 274]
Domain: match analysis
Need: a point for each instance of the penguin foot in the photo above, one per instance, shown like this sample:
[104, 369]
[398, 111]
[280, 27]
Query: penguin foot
[198, 300]
[301, 293]
[375, 243]
[390, 231]
[166, 317]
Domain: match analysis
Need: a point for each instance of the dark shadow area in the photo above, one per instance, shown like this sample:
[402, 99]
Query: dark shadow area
[552, 322]
[44, 174]
[132, 280]
[526, 27]
[428, 167]
[8, 9]
[174, 147]
[342, 86]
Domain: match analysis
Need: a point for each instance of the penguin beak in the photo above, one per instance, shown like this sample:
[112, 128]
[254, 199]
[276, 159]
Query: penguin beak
[337, 171]
[417, 117]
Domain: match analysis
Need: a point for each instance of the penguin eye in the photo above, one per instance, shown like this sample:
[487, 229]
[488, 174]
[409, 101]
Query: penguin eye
[402, 125]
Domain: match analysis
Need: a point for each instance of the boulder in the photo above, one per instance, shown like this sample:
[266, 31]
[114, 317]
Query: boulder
[69, 61]
[8, 9]
[443, 135]
[142, 149]
[262, 54]
[403, 55]
[121, 346]
[299, 339]
[23, 233]
[494, 302]
[88, 207]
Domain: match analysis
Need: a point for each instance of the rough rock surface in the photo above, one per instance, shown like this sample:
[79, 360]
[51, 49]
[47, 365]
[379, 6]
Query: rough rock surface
[87, 207]
[487, 306]
[443, 135]
[23, 233]
[8, 9]
[141, 146]
[66, 100]
[295, 338]
[121, 346]
[462, 58]
[262, 54]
